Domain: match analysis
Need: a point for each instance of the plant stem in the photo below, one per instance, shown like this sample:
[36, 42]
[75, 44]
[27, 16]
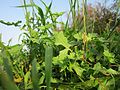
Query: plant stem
[84, 15]
[84, 27]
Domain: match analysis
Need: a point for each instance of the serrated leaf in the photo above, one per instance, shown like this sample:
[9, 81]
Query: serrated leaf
[109, 56]
[78, 69]
[90, 83]
[54, 80]
[60, 39]
[57, 14]
[97, 66]
[33, 33]
[111, 71]
[46, 27]
[91, 36]
[101, 39]
[62, 55]
[10, 23]
[72, 55]
[78, 36]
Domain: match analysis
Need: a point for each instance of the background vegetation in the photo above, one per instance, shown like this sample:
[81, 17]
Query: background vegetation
[82, 53]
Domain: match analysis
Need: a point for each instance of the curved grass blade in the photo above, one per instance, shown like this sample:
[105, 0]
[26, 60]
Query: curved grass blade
[27, 5]
[6, 62]
[8, 68]
[40, 12]
[48, 65]
[49, 11]
[47, 7]
[6, 83]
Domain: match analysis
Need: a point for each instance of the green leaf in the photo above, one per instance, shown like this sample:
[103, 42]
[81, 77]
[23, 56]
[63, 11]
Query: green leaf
[14, 49]
[97, 66]
[78, 69]
[47, 7]
[34, 75]
[60, 39]
[25, 6]
[78, 36]
[60, 58]
[91, 36]
[27, 16]
[42, 79]
[46, 27]
[54, 80]
[101, 39]
[90, 84]
[111, 71]
[6, 83]
[40, 12]
[49, 11]
[63, 54]
[34, 33]
[72, 55]
[8, 68]
[48, 65]
[111, 84]
[10, 23]
[34, 36]
[56, 14]
[109, 56]
[26, 78]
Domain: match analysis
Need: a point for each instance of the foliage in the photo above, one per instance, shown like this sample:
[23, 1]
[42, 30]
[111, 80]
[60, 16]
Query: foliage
[72, 58]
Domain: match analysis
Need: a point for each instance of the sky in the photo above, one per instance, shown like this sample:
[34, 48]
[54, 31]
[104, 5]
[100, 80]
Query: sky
[10, 13]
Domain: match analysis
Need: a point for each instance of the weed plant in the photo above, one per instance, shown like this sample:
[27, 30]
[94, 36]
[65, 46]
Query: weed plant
[83, 55]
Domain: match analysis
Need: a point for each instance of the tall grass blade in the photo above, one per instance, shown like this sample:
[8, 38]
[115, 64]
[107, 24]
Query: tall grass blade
[47, 7]
[48, 65]
[23, 6]
[49, 11]
[6, 83]
[84, 15]
[34, 75]
[8, 68]
[40, 12]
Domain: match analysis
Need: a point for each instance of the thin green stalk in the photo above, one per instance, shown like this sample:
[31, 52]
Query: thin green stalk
[93, 25]
[25, 6]
[84, 15]
[72, 4]
[33, 14]
[85, 30]
[78, 6]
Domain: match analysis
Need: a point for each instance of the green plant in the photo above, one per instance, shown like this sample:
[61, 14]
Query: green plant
[71, 58]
